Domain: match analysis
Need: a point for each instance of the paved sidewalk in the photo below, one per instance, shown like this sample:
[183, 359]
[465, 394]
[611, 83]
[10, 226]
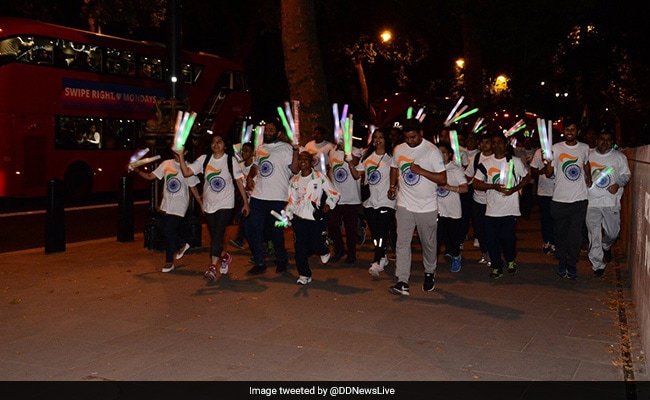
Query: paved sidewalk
[102, 310]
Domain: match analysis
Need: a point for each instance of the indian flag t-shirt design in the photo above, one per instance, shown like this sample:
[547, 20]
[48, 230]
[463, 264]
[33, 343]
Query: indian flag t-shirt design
[340, 174]
[265, 166]
[373, 173]
[602, 175]
[409, 177]
[214, 179]
[172, 182]
[570, 167]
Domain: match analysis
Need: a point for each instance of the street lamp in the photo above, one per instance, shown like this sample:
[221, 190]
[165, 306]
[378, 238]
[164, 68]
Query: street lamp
[386, 36]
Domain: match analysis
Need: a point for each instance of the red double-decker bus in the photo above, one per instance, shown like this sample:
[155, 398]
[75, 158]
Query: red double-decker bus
[74, 105]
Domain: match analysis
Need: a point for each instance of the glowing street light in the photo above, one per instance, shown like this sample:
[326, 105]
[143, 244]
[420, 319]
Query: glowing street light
[386, 36]
[460, 63]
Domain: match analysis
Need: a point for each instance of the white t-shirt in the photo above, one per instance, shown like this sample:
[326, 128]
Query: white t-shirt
[417, 193]
[449, 202]
[341, 177]
[545, 186]
[176, 196]
[478, 196]
[568, 163]
[377, 175]
[218, 188]
[498, 204]
[603, 177]
[273, 162]
[315, 149]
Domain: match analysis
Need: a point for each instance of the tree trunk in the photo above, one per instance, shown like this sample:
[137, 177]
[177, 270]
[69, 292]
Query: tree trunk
[364, 90]
[303, 65]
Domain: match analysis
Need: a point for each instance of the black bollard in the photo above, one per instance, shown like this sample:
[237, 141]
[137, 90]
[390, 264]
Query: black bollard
[125, 210]
[55, 218]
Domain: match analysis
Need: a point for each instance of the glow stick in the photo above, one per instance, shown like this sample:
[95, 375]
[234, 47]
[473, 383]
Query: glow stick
[282, 219]
[138, 155]
[459, 112]
[347, 137]
[296, 121]
[179, 117]
[237, 152]
[519, 125]
[184, 129]
[602, 174]
[467, 114]
[259, 137]
[246, 137]
[143, 162]
[549, 135]
[337, 122]
[322, 163]
[453, 139]
[511, 174]
[285, 123]
[292, 124]
[409, 113]
[344, 113]
[188, 127]
[503, 173]
[420, 114]
[453, 111]
[477, 124]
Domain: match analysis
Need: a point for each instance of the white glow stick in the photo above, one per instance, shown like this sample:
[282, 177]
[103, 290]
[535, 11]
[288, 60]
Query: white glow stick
[453, 110]
[296, 121]
[282, 219]
[515, 128]
[143, 162]
[259, 137]
[323, 169]
[419, 114]
[503, 175]
[138, 155]
[337, 122]
[477, 124]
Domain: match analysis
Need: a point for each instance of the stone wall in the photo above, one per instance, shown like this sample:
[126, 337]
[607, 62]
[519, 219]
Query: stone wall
[635, 236]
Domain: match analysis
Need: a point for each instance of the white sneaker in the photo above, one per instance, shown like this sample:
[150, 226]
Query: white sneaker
[180, 253]
[325, 258]
[476, 244]
[375, 269]
[303, 280]
[168, 267]
[383, 262]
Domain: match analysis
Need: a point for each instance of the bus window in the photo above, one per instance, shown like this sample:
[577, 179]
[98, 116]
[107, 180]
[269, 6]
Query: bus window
[186, 73]
[120, 62]
[150, 68]
[225, 80]
[15, 49]
[121, 133]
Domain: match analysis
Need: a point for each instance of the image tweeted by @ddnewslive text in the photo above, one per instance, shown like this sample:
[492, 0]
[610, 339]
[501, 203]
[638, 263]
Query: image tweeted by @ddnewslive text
[323, 391]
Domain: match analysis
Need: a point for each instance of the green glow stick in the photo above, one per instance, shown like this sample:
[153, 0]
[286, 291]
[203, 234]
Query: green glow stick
[346, 137]
[453, 139]
[285, 123]
[409, 113]
[470, 112]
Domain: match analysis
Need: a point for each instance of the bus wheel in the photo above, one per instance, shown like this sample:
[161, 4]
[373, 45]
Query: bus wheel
[78, 181]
